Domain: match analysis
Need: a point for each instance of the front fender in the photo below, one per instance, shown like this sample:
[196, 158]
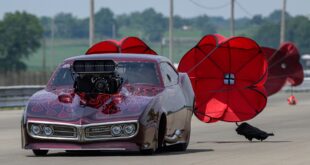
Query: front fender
[149, 122]
[151, 115]
[24, 140]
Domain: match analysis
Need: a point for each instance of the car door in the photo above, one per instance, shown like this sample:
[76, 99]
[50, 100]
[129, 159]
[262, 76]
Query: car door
[172, 98]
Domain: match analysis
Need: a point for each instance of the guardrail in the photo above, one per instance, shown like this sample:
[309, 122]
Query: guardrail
[17, 96]
[304, 87]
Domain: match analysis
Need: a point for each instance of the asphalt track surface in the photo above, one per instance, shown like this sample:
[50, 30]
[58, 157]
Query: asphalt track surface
[211, 144]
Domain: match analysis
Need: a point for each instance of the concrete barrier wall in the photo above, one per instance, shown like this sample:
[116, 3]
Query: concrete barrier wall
[17, 96]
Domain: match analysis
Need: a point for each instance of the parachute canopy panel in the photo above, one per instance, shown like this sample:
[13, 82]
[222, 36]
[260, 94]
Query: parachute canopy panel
[109, 46]
[126, 45]
[284, 67]
[228, 77]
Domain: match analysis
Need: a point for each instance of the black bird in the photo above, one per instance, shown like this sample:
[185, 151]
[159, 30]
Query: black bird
[251, 132]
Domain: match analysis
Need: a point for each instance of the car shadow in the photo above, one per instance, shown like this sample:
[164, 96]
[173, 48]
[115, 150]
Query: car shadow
[167, 152]
[246, 142]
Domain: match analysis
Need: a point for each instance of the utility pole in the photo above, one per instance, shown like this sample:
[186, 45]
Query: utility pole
[53, 36]
[282, 32]
[113, 31]
[171, 31]
[232, 18]
[44, 58]
[91, 22]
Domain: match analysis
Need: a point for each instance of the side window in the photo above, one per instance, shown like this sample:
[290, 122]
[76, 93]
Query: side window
[170, 76]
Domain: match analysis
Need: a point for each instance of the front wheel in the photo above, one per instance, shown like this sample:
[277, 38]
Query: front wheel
[182, 146]
[40, 152]
[179, 147]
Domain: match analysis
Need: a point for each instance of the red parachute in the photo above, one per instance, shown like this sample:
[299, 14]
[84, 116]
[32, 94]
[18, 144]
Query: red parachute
[284, 66]
[228, 77]
[126, 45]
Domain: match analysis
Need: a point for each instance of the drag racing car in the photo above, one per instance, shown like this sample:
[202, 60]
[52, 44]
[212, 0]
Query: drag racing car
[121, 95]
[130, 102]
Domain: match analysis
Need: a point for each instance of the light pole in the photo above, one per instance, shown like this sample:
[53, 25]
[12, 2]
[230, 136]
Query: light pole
[171, 31]
[282, 31]
[91, 22]
[232, 18]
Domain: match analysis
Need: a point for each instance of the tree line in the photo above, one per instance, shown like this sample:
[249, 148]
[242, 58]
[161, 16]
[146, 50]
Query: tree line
[21, 32]
[152, 26]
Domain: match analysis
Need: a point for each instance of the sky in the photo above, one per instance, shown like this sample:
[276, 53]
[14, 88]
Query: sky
[184, 8]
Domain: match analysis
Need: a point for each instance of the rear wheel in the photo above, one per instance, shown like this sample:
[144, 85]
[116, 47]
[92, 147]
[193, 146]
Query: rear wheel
[40, 152]
[161, 134]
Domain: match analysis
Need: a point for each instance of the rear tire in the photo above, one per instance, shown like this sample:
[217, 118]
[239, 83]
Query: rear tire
[161, 135]
[40, 152]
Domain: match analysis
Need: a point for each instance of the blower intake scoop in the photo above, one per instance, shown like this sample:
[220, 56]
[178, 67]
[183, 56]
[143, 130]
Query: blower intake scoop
[96, 77]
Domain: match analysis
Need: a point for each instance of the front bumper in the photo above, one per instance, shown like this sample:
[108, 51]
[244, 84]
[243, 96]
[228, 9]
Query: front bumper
[143, 138]
[104, 146]
[81, 133]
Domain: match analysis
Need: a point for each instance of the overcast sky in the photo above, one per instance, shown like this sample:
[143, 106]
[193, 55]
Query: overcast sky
[184, 8]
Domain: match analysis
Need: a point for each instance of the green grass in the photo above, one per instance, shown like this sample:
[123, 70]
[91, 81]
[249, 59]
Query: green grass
[126, 31]
[56, 52]
[11, 108]
[192, 33]
[61, 49]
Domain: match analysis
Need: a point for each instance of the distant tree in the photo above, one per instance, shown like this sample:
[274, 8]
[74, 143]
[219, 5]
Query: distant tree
[46, 23]
[136, 20]
[20, 35]
[105, 22]
[66, 26]
[203, 23]
[268, 34]
[257, 19]
[179, 22]
[151, 24]
[64, 23]
[243, 23]
[81, 28]
[219, 22]
[298, 32]
[275, 16]
[154, 24]
[123, 20]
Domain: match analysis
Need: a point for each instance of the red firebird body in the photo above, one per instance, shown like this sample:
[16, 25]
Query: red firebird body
[159, 107]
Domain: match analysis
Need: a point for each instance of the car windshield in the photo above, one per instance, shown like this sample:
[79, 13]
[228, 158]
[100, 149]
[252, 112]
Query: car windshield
[131, 72]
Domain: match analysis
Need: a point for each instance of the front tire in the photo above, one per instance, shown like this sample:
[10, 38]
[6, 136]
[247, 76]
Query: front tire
[40, 152]
[182, 146]
[161, 132]
[179, 147]
[160, 137]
